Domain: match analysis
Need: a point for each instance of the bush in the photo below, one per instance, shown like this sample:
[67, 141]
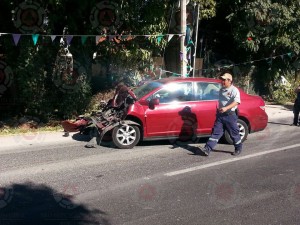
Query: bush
[284, 94]
[283, 86]
[95, 102]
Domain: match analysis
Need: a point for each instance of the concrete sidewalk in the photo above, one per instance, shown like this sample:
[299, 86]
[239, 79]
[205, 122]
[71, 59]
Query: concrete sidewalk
[275, 113]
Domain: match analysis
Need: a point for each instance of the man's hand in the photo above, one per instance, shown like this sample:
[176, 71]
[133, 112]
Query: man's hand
[222, 110]
[228, 107]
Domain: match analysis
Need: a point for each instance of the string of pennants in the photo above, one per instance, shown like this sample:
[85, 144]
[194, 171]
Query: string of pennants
[98, 38]
[101, 38]
[218, 69]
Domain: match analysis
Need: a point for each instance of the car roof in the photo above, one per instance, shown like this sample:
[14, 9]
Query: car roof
[179, 79]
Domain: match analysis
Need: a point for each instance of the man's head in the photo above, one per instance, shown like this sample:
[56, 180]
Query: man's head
[226, 79]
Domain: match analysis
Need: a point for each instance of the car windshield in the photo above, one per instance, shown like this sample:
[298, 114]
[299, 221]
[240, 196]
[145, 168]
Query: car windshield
[146, 88]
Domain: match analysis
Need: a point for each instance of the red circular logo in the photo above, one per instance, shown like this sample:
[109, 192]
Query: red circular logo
[29, 17]
[106, 16]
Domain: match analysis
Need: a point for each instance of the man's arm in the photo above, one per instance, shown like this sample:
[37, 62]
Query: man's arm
[230, 106]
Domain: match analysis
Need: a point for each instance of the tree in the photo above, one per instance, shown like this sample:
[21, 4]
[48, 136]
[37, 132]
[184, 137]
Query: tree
[207, 8]
[267, 26]
[38, 67]
[266, 29]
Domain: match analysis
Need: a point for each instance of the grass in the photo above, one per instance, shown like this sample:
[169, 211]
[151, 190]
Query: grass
[27, 124]
[10, 128]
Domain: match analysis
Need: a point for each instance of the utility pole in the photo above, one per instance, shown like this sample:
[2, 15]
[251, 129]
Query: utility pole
[183, 69]
[196, 39]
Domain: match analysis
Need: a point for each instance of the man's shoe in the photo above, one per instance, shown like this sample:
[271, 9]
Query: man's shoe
[204, 151]
[237, 152]
[89, 146]
[66, 134]
[294, 124]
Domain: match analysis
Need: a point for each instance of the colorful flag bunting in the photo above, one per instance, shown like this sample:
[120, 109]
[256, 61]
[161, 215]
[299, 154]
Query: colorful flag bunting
[35, 38]
[53, 37]
[170, 37]
[118, 38]
[16, 38]
[159, 38]
[181, 56]
[83, 39]
[100, 39]
[111, 37]
[69, 39]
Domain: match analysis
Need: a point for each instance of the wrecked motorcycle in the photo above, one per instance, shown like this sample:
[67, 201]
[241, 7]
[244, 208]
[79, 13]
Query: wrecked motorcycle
[99, 124]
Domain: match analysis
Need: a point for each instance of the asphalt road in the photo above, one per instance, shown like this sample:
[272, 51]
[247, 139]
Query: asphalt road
[154, 183]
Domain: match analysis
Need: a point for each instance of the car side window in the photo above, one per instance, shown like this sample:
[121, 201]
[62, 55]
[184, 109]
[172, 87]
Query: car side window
[207, 91]
[175, 92]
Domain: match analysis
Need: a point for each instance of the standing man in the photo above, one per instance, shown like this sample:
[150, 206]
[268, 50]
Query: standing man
[226, 118]
[296, 108]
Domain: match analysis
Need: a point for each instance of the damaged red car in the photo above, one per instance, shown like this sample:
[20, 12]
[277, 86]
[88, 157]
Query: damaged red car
[180, 108]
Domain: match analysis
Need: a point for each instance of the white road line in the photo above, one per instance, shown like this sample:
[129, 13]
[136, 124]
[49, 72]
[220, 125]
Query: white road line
[174, 173]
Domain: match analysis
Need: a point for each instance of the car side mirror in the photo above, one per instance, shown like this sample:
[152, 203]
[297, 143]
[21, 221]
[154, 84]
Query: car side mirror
[153, 102]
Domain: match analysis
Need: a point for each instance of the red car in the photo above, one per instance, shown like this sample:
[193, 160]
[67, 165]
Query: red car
[185, 109]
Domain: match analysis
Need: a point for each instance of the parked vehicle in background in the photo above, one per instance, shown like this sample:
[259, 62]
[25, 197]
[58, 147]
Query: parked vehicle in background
[185, 109]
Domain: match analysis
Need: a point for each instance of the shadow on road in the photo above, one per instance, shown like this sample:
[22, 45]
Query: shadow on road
[285, 124]
[195, 149]
[288, 107]
[29, 203]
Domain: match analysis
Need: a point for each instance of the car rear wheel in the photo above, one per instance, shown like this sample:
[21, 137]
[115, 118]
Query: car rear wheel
[126, 136]
[244, 131]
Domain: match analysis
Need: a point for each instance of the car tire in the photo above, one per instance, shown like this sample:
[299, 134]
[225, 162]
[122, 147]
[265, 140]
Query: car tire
[244, 131]
[126, 136]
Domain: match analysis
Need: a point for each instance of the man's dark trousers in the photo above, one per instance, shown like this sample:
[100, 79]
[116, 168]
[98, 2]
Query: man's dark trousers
[228, 122]
[296, 110]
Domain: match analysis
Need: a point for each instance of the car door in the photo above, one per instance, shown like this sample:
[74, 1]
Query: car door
[206, 96]
[166, 117]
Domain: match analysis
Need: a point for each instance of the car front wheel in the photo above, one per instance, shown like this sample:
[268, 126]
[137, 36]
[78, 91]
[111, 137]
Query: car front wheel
[126, 136]
[244, 131]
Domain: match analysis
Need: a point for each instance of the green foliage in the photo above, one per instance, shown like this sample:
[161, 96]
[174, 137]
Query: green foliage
[265, 25]
[207, 8]
[99, 100]
[36, 91]
[33, 65]
[263, 29]
[283, 93]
